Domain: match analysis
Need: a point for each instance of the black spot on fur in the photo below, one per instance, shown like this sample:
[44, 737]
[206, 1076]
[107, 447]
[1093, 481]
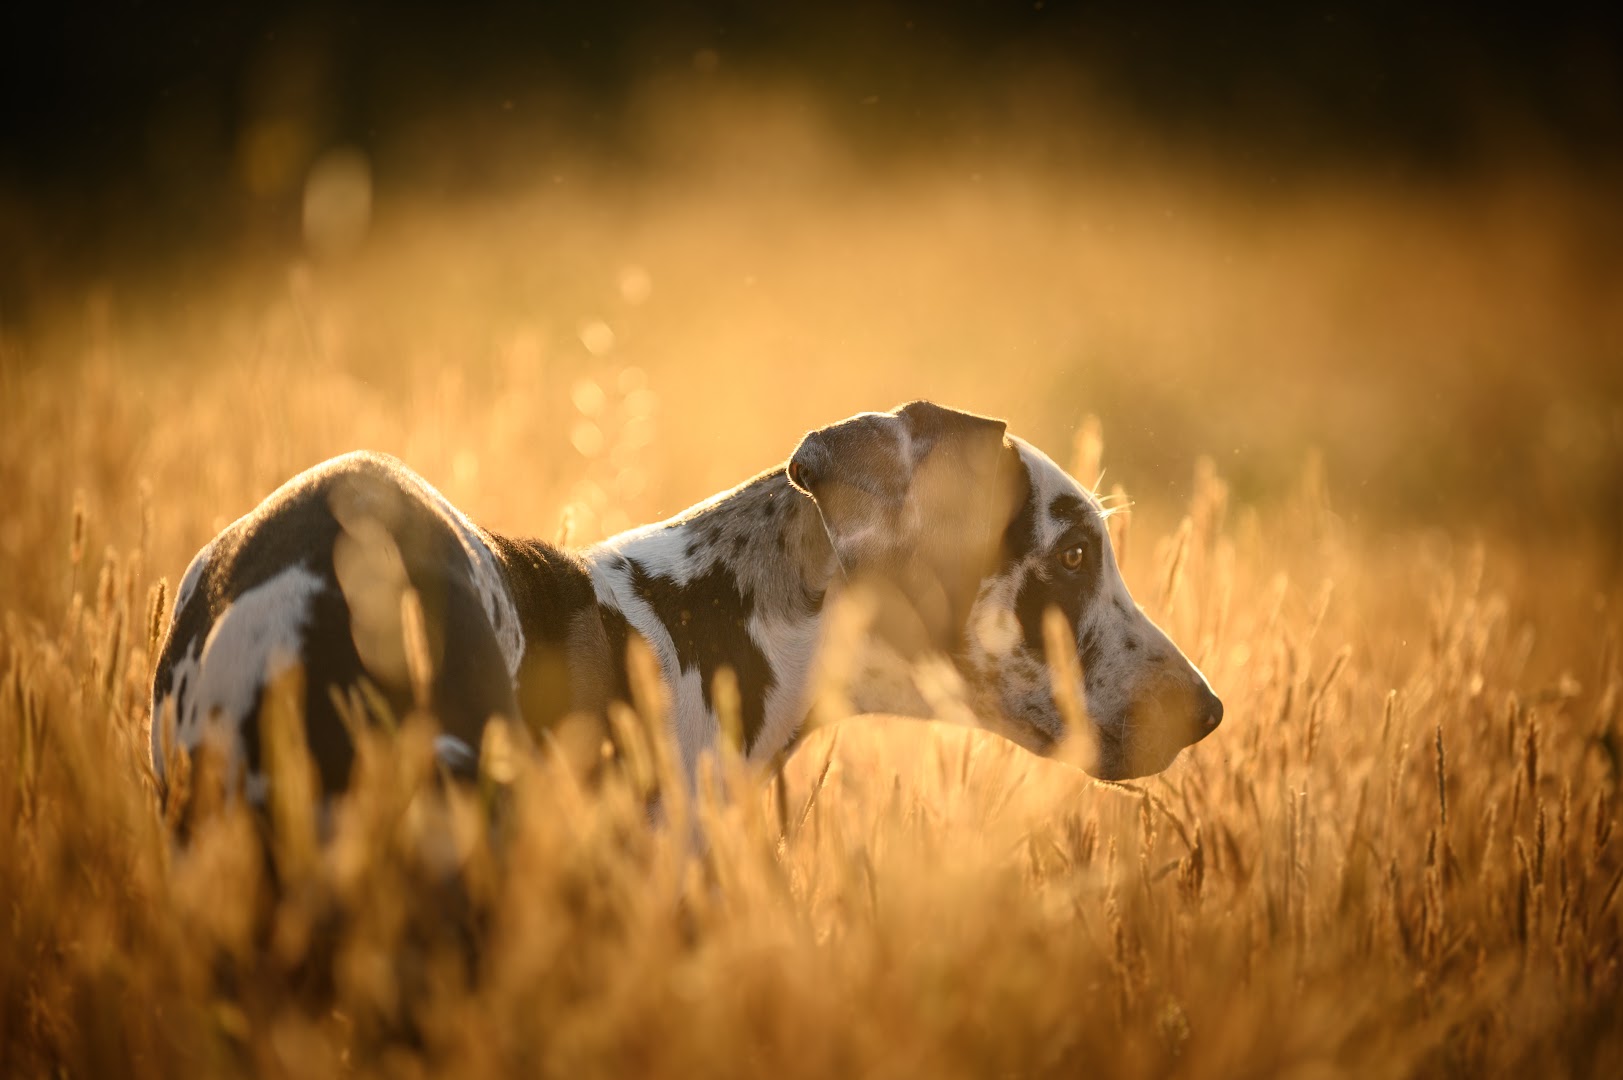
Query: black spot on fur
[1048, 585]
[329, 658]
[1037, 594]
[1020, 538]
[618, 632]
[191, 625]
[739, 542]
[550, 588]
[1068, 508]
[708, 618]
[1130, 643]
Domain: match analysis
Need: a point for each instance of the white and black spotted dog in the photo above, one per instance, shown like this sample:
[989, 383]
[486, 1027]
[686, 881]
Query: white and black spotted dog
[977, 533]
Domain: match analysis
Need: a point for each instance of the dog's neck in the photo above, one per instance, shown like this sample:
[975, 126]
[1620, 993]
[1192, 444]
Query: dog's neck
[736, 582]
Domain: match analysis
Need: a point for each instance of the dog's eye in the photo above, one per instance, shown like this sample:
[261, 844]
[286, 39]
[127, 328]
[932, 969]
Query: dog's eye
[1071, 558]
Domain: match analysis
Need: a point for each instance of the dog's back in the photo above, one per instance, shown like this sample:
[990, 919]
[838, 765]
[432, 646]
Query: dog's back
[320, 575]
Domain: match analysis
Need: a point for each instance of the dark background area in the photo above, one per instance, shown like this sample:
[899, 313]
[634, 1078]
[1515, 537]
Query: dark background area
[1390, 231]
[123, 123]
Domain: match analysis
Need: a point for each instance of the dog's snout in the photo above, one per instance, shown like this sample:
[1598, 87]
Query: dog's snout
[1209, 709]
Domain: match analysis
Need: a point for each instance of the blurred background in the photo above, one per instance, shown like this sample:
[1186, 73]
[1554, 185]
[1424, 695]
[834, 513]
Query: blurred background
[616, 256]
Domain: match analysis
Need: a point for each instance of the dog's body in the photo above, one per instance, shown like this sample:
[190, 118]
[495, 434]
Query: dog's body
[978, 533]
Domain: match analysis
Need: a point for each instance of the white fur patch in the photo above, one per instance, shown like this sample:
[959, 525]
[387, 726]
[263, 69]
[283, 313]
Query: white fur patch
[659, 551]
[453, 753]
[255, 639]
[789, 646]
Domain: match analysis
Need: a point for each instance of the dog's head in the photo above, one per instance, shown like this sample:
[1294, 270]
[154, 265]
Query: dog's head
[982, 535]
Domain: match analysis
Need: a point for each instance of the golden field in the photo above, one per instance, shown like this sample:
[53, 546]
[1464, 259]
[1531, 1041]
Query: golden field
[1372, 436]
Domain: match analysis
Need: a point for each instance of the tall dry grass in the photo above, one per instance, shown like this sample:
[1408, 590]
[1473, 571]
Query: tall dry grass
[1383, 863]
[1399, 855]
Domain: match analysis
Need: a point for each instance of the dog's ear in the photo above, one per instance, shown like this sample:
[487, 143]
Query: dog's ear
[957, 456]
[965, 490]
[865, 472]
[967, 436]
[879, 451]
[914, 496]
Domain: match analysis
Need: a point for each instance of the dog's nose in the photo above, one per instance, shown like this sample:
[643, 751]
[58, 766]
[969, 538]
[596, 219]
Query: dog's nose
[1209, 710]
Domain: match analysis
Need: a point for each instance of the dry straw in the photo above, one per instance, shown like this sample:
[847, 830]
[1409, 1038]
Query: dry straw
[1399, 855]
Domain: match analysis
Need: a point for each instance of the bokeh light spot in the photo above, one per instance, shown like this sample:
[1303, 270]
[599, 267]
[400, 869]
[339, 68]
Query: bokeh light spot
[635, 284]
[588, 397]
[587, 438]
[597, 336]
[337, 202]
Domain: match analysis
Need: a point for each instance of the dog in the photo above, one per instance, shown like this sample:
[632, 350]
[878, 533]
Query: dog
[973, 534]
